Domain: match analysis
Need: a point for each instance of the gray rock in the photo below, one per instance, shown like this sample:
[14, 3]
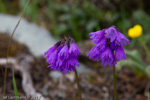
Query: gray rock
[61, 94]
[35, 37]
[55, 75]
[83, 69]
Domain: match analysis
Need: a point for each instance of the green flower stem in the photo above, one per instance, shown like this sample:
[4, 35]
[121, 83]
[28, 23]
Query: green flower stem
[147, 51]
[77, 80]
[148, 95]
[114, 77]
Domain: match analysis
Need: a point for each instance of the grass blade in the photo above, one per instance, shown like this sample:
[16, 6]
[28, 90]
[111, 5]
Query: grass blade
[41, 95]
[15, 87]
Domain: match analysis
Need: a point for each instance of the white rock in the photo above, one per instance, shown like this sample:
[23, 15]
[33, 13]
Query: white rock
[35, 37]
[55, 75]
[83, 69]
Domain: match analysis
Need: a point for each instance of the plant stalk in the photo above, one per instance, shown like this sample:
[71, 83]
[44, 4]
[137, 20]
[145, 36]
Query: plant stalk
[114, 77]
[77, 80]
[148, 94]
[9, 42]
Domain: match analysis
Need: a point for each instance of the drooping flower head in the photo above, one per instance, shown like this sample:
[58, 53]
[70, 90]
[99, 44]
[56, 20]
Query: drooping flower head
[63, 55]
[108, 46]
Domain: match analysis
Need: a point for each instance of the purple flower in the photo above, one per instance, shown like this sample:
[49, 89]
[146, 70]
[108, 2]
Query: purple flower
[94, 53]
[74, 50]
[121, 40]
[112, 46]
[63, 56]
[97, 36]
[111, 33]
[116, 36]
[120, 54]
[102, 44]
[108, 46]
[50, 51]
[52, 60]
[107, 56]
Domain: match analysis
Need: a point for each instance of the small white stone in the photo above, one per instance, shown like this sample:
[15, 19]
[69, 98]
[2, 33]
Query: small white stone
[55, 75]
[83, 69]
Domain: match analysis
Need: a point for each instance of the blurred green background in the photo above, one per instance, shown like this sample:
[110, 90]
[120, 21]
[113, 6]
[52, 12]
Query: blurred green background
[77, 18]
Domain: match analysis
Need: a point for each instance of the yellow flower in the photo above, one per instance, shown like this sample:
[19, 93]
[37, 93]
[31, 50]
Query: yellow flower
[135, 32]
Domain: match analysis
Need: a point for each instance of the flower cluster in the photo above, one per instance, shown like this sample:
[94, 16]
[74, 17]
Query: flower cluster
[135, 32]
[109, 46]
[63, 56]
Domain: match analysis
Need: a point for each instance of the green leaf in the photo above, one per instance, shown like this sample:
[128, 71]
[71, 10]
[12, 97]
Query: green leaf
[15, 87]
[2, 7]
[124, 25]
[135, 56]
[145, 38]
[142, 18]
[31, 10]
[148, 71]
[134, 62]
[91, 25]
[65, 17]
[62, 28]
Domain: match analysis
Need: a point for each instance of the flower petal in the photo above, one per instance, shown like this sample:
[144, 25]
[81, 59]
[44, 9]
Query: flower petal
[74, 50]
[50, 51]
[108, 57]
[63, 54]
[97, 36]
[121, 40]
[111, 33]
[120, 54]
